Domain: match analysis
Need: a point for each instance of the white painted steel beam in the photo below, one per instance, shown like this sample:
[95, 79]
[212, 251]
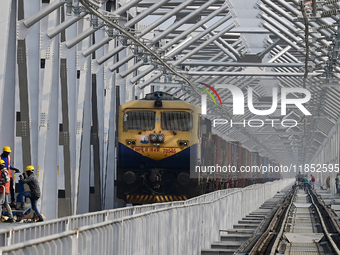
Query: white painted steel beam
[96, 46]
[205, 32]
[247, 73]
[165, 17]
[72, 42]
[204, 44]
[218, 63]
[225, 44]
[126, 7]
[61, 27]
[43, 13]
[200, 23]
[182, 21]
[144, 13]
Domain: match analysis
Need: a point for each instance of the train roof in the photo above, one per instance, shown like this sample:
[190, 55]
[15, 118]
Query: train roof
[161, 95]
[169, 101]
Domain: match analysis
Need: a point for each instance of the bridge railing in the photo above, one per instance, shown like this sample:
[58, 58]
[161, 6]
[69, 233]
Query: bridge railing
[50, 227]
[147, 229]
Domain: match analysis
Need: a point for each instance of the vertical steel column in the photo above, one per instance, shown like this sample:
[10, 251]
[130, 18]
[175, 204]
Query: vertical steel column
[7, 73]
[120, 81]
[48, 126]
[33, 79]
[84, 119]
[66, 208]
[111, 148]
[95, 198]
[71, 100]
[100, 76]
[23, 122]
[49, 187]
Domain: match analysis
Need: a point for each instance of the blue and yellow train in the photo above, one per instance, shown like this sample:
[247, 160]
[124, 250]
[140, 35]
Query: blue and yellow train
[160, 139]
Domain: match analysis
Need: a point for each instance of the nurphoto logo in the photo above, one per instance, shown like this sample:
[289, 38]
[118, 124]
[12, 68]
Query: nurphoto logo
[238, 99]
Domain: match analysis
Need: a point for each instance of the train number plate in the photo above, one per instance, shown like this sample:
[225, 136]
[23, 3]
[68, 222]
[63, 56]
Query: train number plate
[169, 150]
[156, 152]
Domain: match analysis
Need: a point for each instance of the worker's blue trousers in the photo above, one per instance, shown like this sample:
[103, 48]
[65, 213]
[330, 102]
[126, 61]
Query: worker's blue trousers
[34, 200]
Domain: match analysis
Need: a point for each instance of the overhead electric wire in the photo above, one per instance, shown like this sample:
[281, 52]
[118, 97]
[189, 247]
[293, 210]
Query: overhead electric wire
[305, 18]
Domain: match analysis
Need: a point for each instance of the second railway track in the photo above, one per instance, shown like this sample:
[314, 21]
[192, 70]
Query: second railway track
[302, 225]
[299, 224]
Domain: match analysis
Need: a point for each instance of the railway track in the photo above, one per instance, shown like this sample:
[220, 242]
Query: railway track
[298, 223]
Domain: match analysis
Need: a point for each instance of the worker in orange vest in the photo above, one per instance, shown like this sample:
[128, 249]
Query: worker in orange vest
[7, 158]
[5, 183]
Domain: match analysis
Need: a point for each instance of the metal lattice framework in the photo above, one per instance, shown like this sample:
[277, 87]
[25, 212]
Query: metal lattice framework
[297, 43]
[73, 62]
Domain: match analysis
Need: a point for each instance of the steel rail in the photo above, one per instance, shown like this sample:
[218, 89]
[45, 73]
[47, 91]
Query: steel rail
[263, 225]
[280, 233]
[264, 241]
[330, 212]
[333, 244]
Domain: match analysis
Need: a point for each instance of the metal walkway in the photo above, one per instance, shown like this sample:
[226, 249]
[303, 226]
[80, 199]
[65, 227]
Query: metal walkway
[295, 222]
[302, 232]
[308, 227]
[232, 239]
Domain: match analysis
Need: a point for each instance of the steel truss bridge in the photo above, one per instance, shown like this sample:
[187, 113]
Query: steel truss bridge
[67, 64]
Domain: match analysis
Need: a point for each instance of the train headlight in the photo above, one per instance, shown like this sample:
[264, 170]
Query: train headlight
[183, 143]
[129, 177]
[160, 138]
[183, 178]
[131, 142]
[153, 138]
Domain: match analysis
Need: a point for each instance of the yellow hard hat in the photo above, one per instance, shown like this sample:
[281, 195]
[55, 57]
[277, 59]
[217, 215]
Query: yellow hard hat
[7, 149]
[2, 162]
[29, 168]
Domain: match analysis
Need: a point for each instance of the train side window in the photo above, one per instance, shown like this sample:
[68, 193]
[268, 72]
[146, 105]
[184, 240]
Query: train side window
[139, 120]
[181, 121]
[204, 129]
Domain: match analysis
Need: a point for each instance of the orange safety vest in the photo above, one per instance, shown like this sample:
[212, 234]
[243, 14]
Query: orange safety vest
[9, 166]
[7, 185]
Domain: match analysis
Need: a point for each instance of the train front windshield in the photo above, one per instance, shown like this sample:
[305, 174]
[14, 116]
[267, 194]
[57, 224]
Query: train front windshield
[139, 120]
[170, 120]
[181, 121]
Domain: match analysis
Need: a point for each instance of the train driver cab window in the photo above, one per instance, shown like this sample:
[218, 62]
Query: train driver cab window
[139, 120]
[181, 121]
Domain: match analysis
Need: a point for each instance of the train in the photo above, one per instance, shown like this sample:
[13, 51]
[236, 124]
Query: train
[164, 147]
